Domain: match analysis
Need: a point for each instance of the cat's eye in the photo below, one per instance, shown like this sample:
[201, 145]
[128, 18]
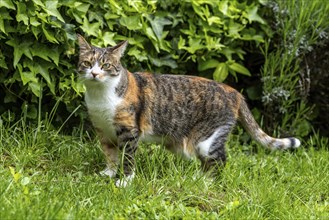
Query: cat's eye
[86, 64]
[106, 66]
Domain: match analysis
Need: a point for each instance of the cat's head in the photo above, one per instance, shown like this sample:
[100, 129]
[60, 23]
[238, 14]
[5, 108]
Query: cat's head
[100, 64]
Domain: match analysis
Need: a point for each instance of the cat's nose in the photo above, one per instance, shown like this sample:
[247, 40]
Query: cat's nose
[94, 74]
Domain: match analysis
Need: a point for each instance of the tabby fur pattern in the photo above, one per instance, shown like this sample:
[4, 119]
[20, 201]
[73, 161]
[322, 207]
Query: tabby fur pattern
[189, 115]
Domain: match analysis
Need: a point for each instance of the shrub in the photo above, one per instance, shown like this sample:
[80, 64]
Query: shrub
[300, 26]
[38, 54]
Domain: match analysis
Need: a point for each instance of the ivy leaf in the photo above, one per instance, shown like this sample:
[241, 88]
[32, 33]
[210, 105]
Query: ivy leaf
[239, 69]
[21, 13]
[3, 63]
[221, 72]
[45, 52]
[35, 88]
[20, 49]
[208, 64]
[34, 21]
[7, 4]
[90, 28]
[49, 35]
[26, 77]
[108, 39]
[223, 7]
[163, 61]
[39, 3]
[4, 16]
[78, 10]
[51, 8]
[2, 26]
[140, 55]
[157, 25]
[41, 68]
[131, 22]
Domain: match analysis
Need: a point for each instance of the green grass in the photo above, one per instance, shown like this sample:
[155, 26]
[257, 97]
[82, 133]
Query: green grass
[45, 175]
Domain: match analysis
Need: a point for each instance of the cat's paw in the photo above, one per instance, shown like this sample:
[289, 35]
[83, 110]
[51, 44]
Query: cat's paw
[125, 181]
[108, 172]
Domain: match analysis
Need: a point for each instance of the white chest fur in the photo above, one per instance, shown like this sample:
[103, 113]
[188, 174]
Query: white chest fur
[102, 102]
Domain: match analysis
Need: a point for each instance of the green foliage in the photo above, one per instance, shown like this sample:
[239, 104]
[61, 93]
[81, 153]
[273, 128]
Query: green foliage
[38, 53]
[299, 27]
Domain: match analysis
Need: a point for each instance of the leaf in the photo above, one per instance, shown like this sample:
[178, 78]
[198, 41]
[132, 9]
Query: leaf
[25, 181]
[90, 28]
[3, 63]
[157, 25]
[45, 52]
[251, 15]
[21, 13]
[51, 8]
[26, 76]
[4, 16]
[150, 34]
[25, 190]
[9, 97]
[239, 69]
[223, 7]
[208, 64]
[108, 39]
[2, 26]
[254, 92]
[194, 45]
[181, 43]
[20, 49]
[35, 87]
[34, 21]
[163, 61]
[15, 175]
[140, 55]
[221, 72]
[215, 20]
[41, 68]
[49, 35]
[7, 4]
[131, 22]
[39, 3]
[234, 28]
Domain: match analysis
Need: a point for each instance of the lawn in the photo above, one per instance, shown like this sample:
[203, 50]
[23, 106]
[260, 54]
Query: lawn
[45, 174]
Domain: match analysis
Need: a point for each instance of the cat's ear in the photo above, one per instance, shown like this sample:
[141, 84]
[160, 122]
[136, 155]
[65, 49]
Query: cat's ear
[83, 44]
[120, 48]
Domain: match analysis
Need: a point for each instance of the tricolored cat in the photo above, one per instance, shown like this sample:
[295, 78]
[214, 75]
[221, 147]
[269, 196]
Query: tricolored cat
[188, 114]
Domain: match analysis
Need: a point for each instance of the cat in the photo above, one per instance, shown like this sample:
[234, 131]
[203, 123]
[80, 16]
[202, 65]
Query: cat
[189, 115]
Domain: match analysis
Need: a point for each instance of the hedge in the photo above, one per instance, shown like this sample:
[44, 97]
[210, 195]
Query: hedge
[38, 44]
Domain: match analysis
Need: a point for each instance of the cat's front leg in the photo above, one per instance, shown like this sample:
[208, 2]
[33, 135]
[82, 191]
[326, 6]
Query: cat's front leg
[127, 142]
[112, 159]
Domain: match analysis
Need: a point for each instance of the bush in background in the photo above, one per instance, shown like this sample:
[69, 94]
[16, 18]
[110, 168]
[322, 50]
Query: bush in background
[215, 39]
[38, 55]
[300, 27]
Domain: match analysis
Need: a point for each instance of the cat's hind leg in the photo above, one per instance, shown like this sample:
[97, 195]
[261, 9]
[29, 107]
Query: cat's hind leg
[211, 151]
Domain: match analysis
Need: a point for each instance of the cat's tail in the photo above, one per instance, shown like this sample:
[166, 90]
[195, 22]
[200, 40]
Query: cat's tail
[249, 123]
